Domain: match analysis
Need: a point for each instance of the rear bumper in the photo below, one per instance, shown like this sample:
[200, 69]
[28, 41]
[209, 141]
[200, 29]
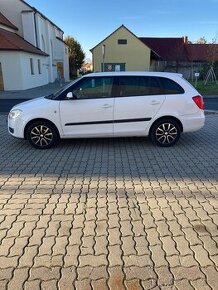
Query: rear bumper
[193, 123]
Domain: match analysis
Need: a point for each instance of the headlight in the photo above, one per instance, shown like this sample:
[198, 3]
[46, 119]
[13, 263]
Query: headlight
[14, 114]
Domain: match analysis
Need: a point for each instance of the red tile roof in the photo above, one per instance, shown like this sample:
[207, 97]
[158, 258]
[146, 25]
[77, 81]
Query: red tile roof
[177, 49]
[202, 52]
[12, 41]
[4, 21]
[169, 49]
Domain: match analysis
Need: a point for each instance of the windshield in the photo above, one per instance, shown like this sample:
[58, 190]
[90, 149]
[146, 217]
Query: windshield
[56, 94]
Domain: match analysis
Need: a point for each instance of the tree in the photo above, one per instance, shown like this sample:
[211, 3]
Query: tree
[201, 40]
[76, 55]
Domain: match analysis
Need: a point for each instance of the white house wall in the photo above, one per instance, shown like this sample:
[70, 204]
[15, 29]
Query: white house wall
[11, 65]
[12, 10]
[29, 80]
[17, 73]
[28, 21]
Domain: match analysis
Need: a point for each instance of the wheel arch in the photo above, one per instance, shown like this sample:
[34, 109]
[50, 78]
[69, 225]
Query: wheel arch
[167, 117]
[36, 120]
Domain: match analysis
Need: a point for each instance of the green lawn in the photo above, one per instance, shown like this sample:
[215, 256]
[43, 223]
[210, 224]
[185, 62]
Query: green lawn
[209, 89]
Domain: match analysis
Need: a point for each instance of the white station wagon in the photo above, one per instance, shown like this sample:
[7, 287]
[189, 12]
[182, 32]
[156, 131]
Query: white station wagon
[158, 105]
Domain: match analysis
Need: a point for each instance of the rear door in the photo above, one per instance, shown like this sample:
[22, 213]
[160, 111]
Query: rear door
[138, 99]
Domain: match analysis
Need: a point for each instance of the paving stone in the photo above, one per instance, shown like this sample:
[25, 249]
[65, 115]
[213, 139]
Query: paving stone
[202, 256]
[83, 285]
[100, 284]
[133, 285]
[211, 275]
[200, 284]
[115, 256]
[169, 246]
[183, 284]
[158, 256]
[182, 245]
[165, 277]
[116, 278]
[27, 259]
[72, 256]
[32, 285]
[114, 236]
[190, 273]
[49, 285]
[18, 280]
[141, 273]
[152, 236]
[94, 261]
[44, 273]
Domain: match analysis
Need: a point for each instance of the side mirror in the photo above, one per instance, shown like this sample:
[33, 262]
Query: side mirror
[70, 96]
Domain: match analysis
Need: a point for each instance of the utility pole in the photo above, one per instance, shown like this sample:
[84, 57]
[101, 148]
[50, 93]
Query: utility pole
[103, 56]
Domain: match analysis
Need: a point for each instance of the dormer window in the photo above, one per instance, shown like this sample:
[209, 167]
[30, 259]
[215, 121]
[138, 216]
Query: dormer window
[122, 41]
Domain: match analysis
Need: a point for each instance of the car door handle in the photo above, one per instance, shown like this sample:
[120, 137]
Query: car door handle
[106, 106]
[155, 102]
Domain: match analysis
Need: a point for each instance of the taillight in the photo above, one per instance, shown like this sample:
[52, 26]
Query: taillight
[199, 102]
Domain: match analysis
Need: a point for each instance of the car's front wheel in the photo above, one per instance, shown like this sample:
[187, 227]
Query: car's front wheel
[42, 135]
[165, 133]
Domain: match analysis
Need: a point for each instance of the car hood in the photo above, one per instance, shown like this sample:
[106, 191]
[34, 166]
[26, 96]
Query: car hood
[37, 102]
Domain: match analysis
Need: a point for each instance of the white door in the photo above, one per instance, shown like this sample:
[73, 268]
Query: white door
[137, 101]
[90, 112]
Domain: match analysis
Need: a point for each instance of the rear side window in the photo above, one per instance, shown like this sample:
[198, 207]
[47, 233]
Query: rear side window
[138, 86]
[170, 87]
[146, 85]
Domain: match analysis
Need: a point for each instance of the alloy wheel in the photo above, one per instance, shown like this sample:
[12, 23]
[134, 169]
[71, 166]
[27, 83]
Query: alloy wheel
[41, 136]
[166, 133]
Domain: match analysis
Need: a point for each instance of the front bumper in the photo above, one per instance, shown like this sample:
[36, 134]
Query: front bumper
[16, 127]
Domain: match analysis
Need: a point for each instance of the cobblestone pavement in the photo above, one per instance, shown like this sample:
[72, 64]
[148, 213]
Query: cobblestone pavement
[110, 214]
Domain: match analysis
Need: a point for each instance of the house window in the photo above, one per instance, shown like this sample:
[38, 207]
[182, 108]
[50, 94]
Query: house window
[31, 66]
[122, 41]
[39, 67]
[113, 67]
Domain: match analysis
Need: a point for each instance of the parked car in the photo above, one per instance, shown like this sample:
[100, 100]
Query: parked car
[158, 105]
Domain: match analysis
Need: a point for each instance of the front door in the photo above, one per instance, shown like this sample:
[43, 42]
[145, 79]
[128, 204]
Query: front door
[90, 112]
[138, 99]
[1, 79]
[60, 69]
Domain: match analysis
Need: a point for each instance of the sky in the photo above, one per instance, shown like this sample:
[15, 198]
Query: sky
[90, 21]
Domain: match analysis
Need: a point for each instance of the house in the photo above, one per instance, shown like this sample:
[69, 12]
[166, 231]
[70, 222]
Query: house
[122, 50]
[87, 67]
[32, 50]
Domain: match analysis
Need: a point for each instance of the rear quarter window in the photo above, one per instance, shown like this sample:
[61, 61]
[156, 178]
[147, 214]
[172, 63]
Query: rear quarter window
[170, 87]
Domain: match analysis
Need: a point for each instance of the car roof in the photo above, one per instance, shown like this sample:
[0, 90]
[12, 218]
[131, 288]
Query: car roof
[134, 73]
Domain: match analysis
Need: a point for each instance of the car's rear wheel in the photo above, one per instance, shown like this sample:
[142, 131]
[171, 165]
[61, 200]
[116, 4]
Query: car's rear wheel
[165, 133]
[42, 135]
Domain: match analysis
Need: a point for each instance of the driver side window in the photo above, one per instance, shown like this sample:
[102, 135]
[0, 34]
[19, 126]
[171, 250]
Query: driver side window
[93, 88]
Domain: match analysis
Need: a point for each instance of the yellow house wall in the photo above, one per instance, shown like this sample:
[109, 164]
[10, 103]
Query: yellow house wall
[134, 54]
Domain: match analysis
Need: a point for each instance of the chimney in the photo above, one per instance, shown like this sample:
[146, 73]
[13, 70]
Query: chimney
[185, 39]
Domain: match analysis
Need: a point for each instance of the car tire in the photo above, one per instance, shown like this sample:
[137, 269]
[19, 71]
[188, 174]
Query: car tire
[42, 135]
[165, 133]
